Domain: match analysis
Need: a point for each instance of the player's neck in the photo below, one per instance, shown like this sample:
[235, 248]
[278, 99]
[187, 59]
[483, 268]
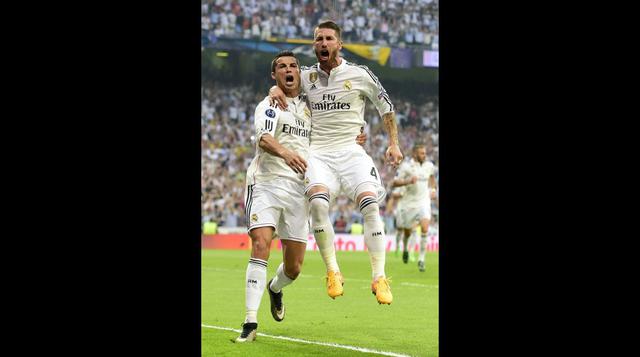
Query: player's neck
[329, 65]
[291, 93]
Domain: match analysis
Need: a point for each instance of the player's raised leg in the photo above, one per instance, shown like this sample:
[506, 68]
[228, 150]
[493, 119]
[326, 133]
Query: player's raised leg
[374, 240]
[256, 279]
[324, 234]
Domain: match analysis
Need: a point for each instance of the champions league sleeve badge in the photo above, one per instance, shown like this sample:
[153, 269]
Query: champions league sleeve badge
[270, 113]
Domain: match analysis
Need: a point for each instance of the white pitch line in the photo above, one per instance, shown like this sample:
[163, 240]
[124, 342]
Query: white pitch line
[419, 285]
[353, 348]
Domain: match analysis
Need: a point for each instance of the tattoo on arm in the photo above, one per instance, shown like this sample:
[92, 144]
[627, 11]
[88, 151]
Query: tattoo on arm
[390, 126]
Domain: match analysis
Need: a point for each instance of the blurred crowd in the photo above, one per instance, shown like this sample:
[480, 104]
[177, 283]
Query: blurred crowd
[380, 22]
[228, 148]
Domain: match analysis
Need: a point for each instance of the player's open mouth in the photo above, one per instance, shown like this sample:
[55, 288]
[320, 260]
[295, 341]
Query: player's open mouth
[324, 53]
[288, 79]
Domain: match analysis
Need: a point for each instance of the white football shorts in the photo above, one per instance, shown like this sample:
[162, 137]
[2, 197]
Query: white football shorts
[280, 204]
[346, 169]
[406, 216]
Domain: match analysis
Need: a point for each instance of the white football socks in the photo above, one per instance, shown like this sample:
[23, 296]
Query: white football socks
[373, 235]
[280, 280]
[323, 229]
[412, 241]
[256, 279]
[423, 246]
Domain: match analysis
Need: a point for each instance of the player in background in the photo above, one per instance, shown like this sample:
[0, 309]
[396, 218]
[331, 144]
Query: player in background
[336, 91]
[417, 176]
[275, 202]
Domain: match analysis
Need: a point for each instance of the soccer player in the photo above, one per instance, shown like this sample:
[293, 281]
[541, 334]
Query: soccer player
[336, 91]
[417, 176]
[274, 197]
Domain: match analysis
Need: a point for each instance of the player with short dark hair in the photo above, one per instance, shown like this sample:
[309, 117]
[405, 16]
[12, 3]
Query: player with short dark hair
[275, 203]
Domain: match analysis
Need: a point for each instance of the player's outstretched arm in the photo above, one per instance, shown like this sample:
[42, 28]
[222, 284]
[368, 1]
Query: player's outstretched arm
[403, 182]
[276, 96]
[393, 155]
[269, 144]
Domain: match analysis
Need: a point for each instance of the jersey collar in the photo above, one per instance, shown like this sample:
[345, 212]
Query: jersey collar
[340, 67]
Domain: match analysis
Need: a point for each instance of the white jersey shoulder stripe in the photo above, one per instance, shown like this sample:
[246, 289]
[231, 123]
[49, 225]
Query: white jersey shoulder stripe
[383, 92]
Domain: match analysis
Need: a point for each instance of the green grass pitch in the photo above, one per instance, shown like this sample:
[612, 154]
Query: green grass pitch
[409, 326]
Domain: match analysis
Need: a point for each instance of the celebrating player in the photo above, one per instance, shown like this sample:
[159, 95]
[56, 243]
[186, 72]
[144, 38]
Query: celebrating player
[417, 176]
[274, 197]
[336, 91]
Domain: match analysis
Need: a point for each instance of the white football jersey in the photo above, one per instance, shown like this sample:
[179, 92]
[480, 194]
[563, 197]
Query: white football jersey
[290, 128]
[337, 102]
[416, 194]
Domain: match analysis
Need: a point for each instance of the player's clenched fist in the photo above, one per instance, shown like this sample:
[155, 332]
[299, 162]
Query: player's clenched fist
[393, 156]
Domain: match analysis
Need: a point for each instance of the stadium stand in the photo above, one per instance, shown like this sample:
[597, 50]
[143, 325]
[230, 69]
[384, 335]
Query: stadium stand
[228, 148]
[380, 22]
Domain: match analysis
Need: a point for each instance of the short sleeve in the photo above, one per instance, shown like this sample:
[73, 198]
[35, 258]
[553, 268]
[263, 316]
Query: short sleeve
[266, 120]
[375, 92]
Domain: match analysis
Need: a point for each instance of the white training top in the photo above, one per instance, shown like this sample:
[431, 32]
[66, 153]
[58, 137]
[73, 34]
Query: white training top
[337, 102]
[290, 128]
[416, 194]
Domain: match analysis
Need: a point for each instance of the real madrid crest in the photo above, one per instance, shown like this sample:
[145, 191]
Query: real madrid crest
[254, 217]
[313, 76]
[347, 85]
[306, 180]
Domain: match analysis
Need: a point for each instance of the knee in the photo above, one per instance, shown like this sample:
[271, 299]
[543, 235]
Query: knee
[293, 271]
[259, 246]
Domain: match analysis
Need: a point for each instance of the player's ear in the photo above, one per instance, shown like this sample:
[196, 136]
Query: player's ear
[273, 75]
